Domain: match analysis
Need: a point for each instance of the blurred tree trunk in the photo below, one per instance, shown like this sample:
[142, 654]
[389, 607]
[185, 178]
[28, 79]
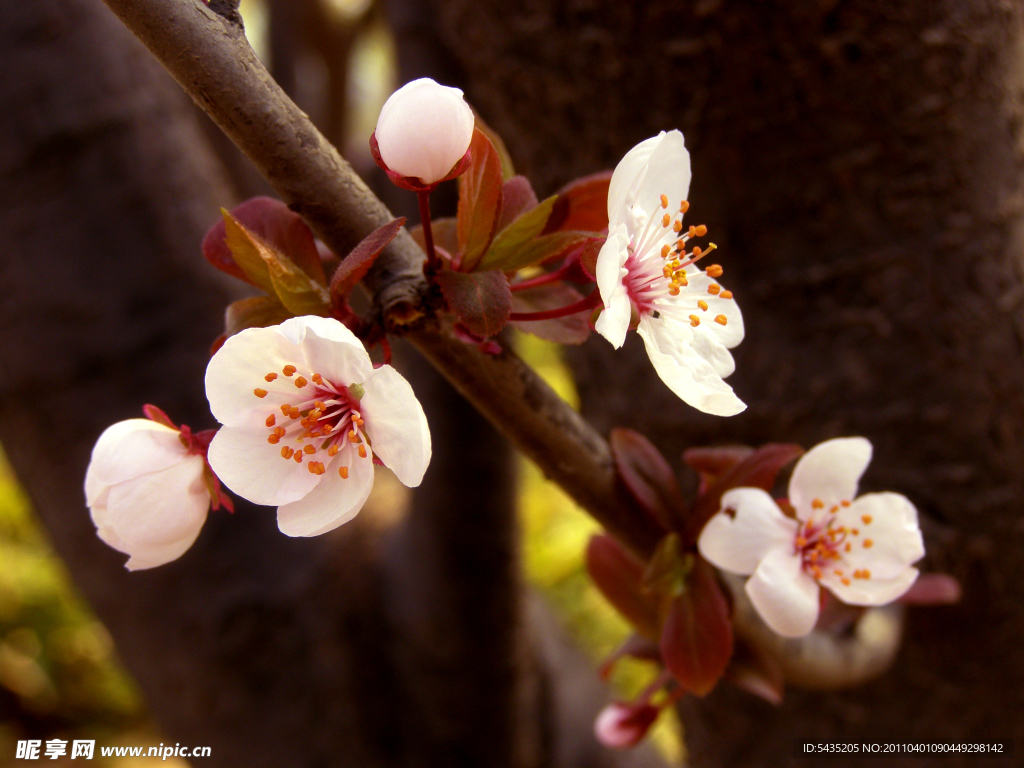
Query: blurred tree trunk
[860, 164]
[391, 642]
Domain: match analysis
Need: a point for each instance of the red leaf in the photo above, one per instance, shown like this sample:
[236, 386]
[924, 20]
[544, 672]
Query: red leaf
[571, 329]
[588, 257]
[275, 224]
[479, 200]
[711, 463]
[696, 642]
[517, 197]
[153, 413]
[648, 477]
[481, 300]
[619, 576]
[758, 470]
[358, 262]
[582, 204]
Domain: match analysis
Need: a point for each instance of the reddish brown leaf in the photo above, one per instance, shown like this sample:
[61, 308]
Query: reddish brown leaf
[481, 300]
[507, 170]
[479, 201]
[648, 476]
[696, 642]
[517, 197]
[758, 470]
[572, 329]
[274, 223]
[358, 262]
[588, 257]
[711, 463]
[582, 204]
[619, 577]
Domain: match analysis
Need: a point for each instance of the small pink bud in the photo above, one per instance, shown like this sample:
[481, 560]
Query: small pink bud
[424, 130]
[621, 726]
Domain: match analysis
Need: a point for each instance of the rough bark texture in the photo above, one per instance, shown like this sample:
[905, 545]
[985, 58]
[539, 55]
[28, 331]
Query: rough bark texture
[860, 164]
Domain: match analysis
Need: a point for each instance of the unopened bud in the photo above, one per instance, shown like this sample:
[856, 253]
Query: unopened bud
[621, 726]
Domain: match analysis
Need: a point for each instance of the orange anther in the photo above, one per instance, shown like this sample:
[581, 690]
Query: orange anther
[702, 304]
[694, 321]
[867, 519]
[817, 504]
[343, 471]
[847, 547]
[664, 201]
[318, 379]
[714, 270]
[714, 288]
[721, 319]
[271, 420]
[300, 382]
[697, 252]
[866, 574]
[286, 452]
[855, 531]
[320, 406]
[333, 450]
[309, 449]
[677, 226]
[838, 572]
[801, 541]
[841, 503]
[701, 230]
[666, 220]
[725, 295]
[362, 451]
[270, 377]
[294, 413]
[846, 582]
[684, 206]
[259, 392]
[299, 455]
[673, 289]
[665, 250]
[288, 370]
[273, 439]
[868, 543]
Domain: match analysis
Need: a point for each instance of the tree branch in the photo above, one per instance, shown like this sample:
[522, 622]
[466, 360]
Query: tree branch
[214, 63]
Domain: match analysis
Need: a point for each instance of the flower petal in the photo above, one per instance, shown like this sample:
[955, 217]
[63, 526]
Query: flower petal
[613, 322]
[627, 178]
[739, 542]
[783, 595]
[829, 473]
[333, 501]
[668, 173]
[888, 539]
[684, 371]
[131, 448]
[872, 591]
[254, 469]
[396, 425]
[329, 348]
[730, 334]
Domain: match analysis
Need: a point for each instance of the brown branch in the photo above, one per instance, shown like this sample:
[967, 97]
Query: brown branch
[214, 63]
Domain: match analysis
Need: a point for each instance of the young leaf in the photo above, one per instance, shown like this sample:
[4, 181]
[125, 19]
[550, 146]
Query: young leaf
[712, 463]
[541, 249]
[696, 642]
[517, 197]
[278, 226]
[300, 293]
[355, 266]
[571, 329]
[479, 201]
[516, 236]
[619, 577]
[481, 300]
[648, 476]
[582, 204]
[255, 312]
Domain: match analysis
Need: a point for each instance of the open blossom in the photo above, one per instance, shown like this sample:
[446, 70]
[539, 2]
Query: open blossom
[860, 549]
[424, 130]
[687, 320]
[304, 413]
[146, 492]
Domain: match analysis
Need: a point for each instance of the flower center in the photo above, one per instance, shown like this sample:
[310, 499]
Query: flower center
[823, 545]
[322, 419]
[656, 276]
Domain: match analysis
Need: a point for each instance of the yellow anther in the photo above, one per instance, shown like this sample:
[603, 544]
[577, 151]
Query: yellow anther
[270, 377]
[664, 201]
[288, 370]
[714, 288]
[694, 321]
[343, 471]
[725, 295]
[721, 319]
[714, 270]
[673, 289]
[259, 392]
[702, 304]
[681, 279]
[667, 271]
[300, 382]
[271, 420]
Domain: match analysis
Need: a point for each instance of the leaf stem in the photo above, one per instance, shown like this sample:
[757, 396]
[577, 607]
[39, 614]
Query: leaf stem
[544, 279]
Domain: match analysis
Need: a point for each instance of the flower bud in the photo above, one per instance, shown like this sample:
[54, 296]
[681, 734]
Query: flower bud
[621, 726]
[146, 492]
[424, 130]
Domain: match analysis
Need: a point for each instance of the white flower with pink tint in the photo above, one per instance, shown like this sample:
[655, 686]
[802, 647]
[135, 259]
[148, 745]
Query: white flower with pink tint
[304, 413]
[424, 130]
[859, 548]
[146, 491]
[687, 320]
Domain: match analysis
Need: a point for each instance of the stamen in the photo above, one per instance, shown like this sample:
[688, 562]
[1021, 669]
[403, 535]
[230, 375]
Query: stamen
[694, 321]
[270, 377]
[299, 455]
[713, 270]
[665, 250]
[868, 543]
[259, 392]
[677, 226]
[684, 206]
[700, 303]
[271, 420]
[333, 450]
[309, 449]
[301, 382]
[318, 379]
[288, 370]
[867, 519]
[721, 319]
[841, 503]
[714, 288]
[666, 220]
[664, 201]
[725, 295]
[817, 504]
[362, 451]
[691, 232]
[273, 439]
[697, 253]
[343, 471]
[286, 452]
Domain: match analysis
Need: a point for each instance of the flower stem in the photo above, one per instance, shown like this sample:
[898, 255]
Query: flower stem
[547, 277]
[582, 305]
[433, 263]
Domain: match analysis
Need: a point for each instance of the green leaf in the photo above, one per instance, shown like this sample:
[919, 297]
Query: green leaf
[255, 312]
[298, 292]
[582, 204]
[481, 300]
[479, 201]
[516, 236]
[517, 197]
[540, 249]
